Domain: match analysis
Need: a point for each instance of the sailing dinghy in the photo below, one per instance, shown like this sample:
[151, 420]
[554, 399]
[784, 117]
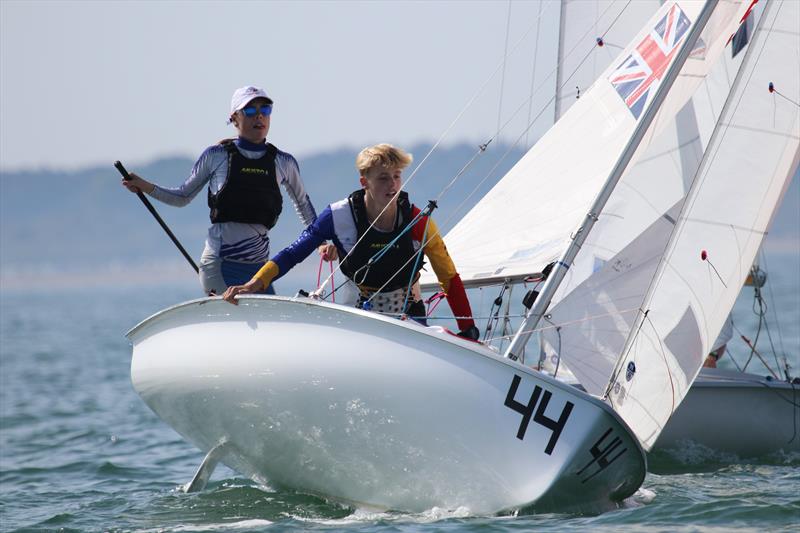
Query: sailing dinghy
[375, 411]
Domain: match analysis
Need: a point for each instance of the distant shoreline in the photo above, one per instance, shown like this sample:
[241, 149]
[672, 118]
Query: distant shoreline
[176, 273]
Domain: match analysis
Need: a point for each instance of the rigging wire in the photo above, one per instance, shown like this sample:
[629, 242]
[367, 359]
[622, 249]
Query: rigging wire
[503, 75]
[571, 322]
[493, 313]
[600, 41]
[483, 147]
[530, 122]
[533, 69]
[777, 325]
[444, 134]
[471, 102]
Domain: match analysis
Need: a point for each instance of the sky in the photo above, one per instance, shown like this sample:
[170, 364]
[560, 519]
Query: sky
[85, 83]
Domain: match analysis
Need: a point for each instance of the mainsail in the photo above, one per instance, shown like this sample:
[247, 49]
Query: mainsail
[681, 194]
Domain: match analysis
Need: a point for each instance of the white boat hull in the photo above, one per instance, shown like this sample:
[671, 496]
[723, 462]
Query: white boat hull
[737, 413]
[373, 411]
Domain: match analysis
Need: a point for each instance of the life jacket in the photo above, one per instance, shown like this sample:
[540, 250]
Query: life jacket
[250, 193]
[372, 241]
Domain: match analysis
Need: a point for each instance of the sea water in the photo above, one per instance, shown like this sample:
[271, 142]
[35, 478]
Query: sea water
[79, 450]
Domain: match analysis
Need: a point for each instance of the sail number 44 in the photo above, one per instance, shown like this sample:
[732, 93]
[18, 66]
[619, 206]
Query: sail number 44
[539, 400]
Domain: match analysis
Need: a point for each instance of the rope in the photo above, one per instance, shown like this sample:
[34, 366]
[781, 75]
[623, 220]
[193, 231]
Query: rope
[777, 325]
[441, 138]
[771, 88]
[494, 314]
[533, 69]
[319, 276]
[416, 264]
[425, 212]
[567, 323]
[503, 75]
[436, 299]
[754, 351]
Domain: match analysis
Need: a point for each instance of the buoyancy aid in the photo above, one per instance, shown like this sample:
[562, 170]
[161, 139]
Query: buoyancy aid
[396, 267]
[250, 194]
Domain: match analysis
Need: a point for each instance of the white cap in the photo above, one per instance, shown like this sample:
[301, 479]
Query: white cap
[243, 95]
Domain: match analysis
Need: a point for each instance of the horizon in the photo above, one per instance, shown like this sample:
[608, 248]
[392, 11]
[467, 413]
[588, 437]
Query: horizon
[192, 157]
[333, 92]
[143, 81]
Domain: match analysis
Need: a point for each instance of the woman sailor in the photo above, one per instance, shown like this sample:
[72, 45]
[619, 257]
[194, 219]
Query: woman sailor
[373, 220]
[243, 175]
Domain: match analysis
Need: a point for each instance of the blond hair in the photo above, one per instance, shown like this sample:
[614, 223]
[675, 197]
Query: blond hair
[384, 155]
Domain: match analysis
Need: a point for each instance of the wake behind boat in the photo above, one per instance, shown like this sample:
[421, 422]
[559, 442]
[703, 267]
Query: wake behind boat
[370, 410]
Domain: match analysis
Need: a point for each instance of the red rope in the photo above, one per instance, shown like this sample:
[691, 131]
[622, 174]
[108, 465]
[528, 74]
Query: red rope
[319, 278]
[436, 299]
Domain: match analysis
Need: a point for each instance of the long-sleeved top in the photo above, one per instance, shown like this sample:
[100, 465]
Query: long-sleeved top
[236, 241]
[336, 223]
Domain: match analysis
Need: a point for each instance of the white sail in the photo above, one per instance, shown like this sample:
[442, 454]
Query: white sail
[543, 199]
[749, 163]
[595, 307]
[582, 23]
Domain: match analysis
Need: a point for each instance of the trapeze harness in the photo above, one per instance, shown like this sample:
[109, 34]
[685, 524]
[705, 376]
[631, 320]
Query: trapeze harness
[379, 280]
[250, 194]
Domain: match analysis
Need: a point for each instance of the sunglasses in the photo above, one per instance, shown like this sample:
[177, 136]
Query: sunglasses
[251, 110]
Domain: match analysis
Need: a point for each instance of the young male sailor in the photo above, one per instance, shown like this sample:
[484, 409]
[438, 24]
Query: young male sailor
[243, 175]
[372, 221]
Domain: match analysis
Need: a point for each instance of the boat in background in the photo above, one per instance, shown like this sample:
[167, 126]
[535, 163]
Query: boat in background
[734, 414]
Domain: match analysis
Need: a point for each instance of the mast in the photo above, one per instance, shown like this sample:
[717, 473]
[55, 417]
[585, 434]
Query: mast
[559, 57]
[561, 266]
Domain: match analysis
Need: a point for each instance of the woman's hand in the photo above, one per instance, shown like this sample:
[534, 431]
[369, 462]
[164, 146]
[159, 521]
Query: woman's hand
[254, 285]
[137, 184]
[328, 252]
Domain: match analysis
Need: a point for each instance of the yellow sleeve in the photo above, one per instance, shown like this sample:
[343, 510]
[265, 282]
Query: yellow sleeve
[267, 273]
[437, 254]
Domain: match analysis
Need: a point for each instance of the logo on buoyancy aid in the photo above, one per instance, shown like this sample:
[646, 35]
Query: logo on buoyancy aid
[248, 170]
[378, 246]
[396, 266]
[250, 194]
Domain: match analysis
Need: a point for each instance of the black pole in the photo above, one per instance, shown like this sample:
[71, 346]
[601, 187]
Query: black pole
[153, 212]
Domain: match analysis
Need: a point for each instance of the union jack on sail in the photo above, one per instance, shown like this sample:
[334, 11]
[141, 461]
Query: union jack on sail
[638, 76]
